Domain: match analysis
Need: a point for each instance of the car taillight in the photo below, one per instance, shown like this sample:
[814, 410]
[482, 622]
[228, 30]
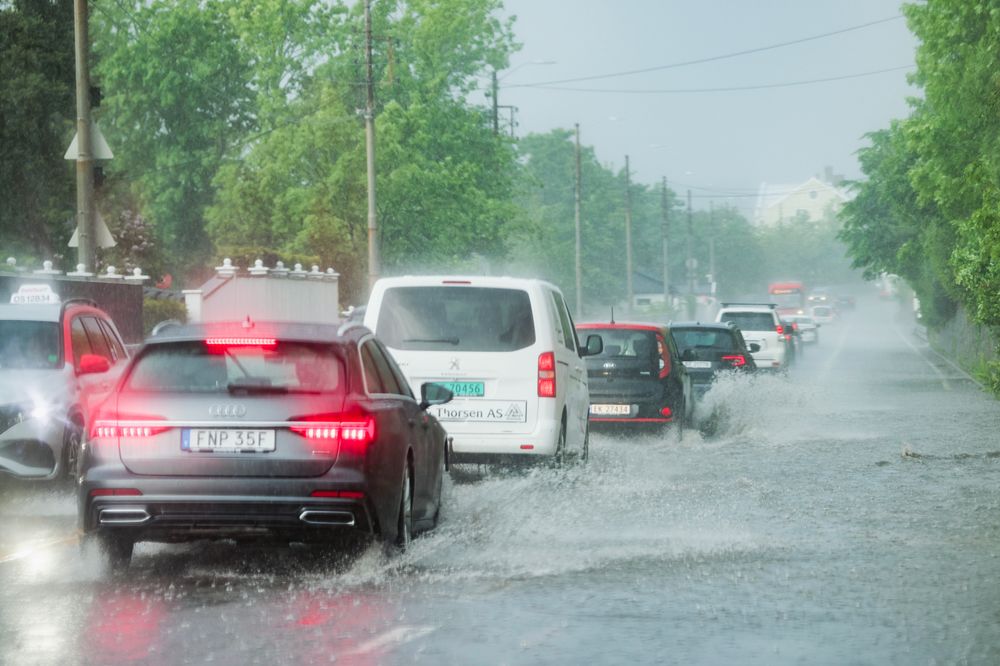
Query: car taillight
[661, 347]
[780, 329]
[547, 375]
[736, 360]
[326, 435]
[132, 427]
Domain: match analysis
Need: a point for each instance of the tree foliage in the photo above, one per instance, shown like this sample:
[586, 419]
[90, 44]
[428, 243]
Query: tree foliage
[930, 207]
[36, 124]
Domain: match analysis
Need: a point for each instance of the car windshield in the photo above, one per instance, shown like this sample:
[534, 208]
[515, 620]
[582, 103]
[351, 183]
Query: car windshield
[456, 319]
[750, 321]
[29, 345]
[703, 338]
[197, 367]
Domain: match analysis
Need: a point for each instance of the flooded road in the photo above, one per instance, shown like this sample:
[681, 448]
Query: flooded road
[847, 514]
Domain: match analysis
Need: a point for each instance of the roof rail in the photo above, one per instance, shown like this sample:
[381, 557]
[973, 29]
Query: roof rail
[759, 305]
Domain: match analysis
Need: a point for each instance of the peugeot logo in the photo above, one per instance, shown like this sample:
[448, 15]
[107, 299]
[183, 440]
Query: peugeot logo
[227, 410]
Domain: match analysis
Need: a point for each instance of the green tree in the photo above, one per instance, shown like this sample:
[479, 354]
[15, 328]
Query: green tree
[36, 124]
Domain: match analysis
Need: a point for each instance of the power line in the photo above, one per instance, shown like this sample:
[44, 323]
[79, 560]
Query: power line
[686, 63]
[765, 86]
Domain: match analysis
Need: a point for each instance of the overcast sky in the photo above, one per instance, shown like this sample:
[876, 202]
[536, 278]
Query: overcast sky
[722, 145]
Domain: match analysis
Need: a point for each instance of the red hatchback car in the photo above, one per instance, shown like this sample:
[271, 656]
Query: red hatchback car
[639, 377]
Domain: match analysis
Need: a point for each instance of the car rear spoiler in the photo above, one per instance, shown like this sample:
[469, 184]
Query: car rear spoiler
[759, 305]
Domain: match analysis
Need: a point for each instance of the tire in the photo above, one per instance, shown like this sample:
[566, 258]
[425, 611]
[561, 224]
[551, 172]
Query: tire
[404, 518]
[559, 458]
[72, 443]
[681, 421]
[585, 454]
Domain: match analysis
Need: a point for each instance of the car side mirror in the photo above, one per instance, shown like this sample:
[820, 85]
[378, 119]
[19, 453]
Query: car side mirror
[594, 346]
[91, 364]
[753, 347]
[434, 394]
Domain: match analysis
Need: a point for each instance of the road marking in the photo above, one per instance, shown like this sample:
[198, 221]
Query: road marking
[393, 637]
[31, 549]
[944, 380]
[957, 368]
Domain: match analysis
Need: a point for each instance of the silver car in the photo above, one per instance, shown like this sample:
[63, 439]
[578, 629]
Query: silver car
[293, 432]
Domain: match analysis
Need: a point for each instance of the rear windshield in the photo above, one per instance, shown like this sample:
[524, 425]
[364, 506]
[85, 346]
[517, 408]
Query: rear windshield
[703, 338]
[750, 321]
[456, 319]
[196, 367]
[30, 345]
[625, 343]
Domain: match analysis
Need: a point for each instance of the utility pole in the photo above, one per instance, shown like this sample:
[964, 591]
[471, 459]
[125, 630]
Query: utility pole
[576, 225]
[690, 263]
[373, 253]
[628, 237]
[496, 105]
[85, 157]
[664, 230]
[711, 246]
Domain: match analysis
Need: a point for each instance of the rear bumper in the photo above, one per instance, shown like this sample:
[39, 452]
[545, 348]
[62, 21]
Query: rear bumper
[188, 508]
[482, 448]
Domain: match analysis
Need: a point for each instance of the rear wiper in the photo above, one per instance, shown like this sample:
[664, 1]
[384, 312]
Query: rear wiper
[449, 341]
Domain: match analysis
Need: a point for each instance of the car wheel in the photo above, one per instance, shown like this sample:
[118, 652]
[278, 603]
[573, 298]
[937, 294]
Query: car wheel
[404, 520]
[560, 455]
[681, 420]
[116, 552]
[585, 455]
[72, 440]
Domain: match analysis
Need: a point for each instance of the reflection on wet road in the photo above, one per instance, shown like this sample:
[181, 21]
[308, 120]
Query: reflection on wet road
[847, 514]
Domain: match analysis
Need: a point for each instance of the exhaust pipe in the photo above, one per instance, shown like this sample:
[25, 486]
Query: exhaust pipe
[316, 517]
[123, 516]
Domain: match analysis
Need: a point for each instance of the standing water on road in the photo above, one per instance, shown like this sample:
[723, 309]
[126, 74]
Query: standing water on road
[846, 513]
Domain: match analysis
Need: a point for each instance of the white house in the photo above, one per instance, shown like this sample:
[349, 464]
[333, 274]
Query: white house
[814, 199]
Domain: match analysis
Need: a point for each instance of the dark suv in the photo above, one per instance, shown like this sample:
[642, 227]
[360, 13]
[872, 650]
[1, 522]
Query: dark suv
[261, 430]
[707, 349]
[639, 377]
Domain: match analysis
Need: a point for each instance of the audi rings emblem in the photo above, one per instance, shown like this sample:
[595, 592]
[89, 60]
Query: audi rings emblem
[227, 410]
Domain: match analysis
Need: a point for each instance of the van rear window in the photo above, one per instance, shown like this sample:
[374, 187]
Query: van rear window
[750, 321]
[456, 319]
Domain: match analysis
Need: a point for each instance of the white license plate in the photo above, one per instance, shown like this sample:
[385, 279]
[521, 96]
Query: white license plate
[697, 364]
[610, 410]
[250, 440]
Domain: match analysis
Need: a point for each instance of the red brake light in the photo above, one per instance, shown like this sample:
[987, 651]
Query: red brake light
[326, 435]
[547, 375]
[241, 342]
[667, 412]
[780, 329]
[132, 427]
[737, 360]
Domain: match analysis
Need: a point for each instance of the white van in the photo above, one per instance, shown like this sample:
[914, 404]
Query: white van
[507, 349]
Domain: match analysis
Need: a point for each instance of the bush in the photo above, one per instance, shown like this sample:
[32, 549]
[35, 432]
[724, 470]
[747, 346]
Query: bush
[155, 310]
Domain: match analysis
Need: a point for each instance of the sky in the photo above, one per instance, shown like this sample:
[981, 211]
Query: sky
[722, 145]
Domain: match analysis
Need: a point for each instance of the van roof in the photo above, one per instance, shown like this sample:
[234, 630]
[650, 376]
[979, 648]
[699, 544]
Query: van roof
[462, 280]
